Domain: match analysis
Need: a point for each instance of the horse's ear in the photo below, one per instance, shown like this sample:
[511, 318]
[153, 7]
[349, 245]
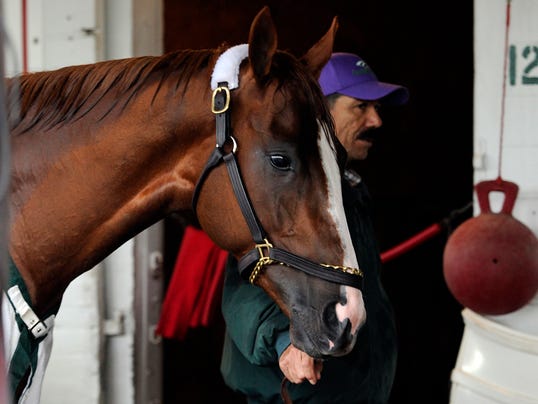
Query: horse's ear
[262, 44]
[320, 53]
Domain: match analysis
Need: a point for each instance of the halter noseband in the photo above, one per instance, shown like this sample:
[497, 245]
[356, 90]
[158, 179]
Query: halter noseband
[263, 253]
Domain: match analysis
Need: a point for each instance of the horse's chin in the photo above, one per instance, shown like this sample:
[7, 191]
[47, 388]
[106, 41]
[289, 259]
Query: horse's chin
[320, 352]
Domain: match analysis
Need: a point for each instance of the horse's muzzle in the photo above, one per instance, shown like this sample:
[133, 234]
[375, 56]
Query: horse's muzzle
[322, 336]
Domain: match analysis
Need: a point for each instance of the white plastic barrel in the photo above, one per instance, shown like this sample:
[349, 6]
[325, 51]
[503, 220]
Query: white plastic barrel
[498, 359]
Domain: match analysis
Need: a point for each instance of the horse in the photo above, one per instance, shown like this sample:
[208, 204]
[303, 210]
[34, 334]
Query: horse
[239, 135]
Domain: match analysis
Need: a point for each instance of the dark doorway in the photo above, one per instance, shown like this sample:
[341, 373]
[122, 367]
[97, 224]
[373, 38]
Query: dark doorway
[419, 171]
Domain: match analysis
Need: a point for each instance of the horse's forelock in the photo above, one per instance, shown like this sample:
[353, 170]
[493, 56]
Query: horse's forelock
[299, 87]
[69, 93]
[288, 70]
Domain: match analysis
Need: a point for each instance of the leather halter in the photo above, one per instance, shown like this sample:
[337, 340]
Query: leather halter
[263, 253]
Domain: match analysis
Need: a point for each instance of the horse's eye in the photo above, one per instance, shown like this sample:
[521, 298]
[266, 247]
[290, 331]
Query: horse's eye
[280, 162]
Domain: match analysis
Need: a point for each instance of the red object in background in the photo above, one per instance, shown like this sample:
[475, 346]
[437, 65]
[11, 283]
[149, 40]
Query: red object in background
[24, 12]
[411, 243]
[490, 262]
[193, 294]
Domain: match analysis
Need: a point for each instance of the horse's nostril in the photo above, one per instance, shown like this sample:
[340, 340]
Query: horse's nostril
[329, 314]
[346, 330]
[340, 330]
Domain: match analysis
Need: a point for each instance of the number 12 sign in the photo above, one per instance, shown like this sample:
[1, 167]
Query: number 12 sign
[523, 65]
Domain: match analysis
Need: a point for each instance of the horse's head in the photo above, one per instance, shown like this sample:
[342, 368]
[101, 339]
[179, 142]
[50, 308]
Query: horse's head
[286, 152]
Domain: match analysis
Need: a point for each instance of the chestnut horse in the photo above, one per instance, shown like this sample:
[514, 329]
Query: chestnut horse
[101, 152]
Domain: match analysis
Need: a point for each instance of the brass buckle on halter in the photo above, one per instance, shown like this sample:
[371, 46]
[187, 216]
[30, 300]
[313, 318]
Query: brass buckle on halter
[263, 250]
[226, 103]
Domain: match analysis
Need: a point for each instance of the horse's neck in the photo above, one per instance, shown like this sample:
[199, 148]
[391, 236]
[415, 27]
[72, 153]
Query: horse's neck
[83, 189]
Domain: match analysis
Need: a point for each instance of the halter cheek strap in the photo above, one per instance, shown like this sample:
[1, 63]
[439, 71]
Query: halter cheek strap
[263, 253]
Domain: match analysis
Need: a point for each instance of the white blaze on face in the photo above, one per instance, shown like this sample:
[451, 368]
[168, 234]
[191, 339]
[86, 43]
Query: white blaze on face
[354, 307]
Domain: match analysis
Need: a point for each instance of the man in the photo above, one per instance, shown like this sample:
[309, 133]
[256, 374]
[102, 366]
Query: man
[257, 351]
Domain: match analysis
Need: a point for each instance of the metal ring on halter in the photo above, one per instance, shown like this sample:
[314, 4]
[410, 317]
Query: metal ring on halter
[234, 144]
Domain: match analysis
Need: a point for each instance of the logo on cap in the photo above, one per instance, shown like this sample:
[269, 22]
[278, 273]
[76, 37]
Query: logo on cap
[362, 68]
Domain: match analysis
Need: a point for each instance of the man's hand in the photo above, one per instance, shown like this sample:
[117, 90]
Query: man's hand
[298, 366]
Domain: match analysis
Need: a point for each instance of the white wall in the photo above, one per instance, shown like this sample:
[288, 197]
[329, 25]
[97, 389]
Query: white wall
[520, 146]
[11, 17]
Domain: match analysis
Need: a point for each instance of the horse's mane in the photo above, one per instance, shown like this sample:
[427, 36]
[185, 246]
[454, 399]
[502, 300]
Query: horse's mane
[60, 96]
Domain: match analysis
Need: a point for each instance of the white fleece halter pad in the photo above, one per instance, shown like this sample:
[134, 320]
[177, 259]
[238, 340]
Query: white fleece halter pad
[227, 66]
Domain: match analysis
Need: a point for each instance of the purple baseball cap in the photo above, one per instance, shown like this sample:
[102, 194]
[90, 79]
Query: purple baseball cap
[348, 74]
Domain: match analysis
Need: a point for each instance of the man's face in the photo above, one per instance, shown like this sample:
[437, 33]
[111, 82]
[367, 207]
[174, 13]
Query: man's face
[353, 119]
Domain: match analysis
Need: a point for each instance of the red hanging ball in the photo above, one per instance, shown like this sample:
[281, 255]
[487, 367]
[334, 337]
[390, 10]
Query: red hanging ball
[490, 262]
